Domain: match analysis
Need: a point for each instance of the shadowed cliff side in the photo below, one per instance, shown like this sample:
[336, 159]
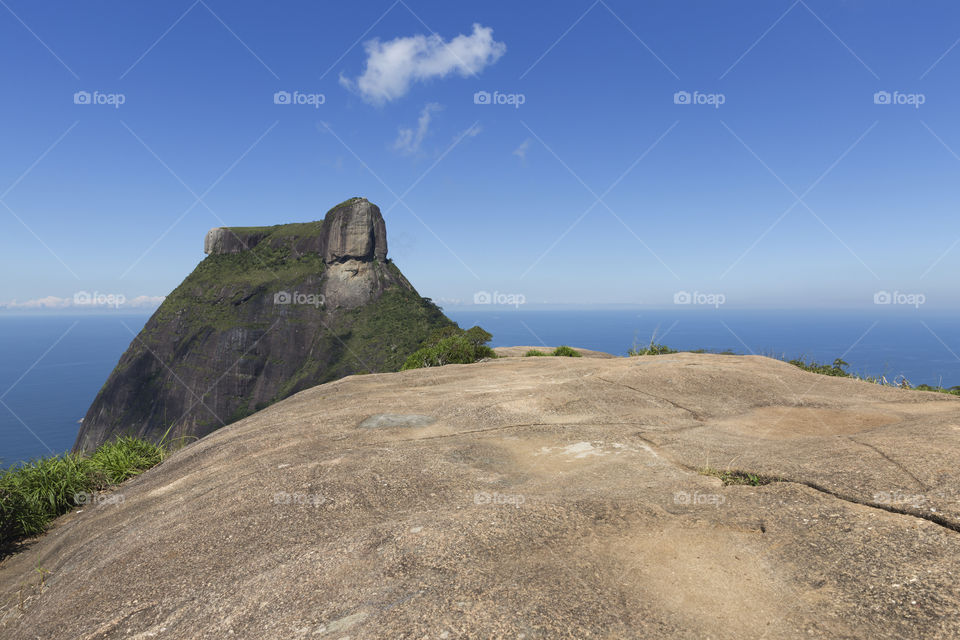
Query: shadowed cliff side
[270, 311]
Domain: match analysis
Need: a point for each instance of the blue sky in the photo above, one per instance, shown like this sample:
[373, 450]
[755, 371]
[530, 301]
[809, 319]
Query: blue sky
[799, 190]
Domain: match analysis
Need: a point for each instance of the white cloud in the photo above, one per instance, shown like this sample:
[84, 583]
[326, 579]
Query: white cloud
[146, 301]
[408, 140]
[97, 301]
[49, 302]
[393, 66]
[521, 151]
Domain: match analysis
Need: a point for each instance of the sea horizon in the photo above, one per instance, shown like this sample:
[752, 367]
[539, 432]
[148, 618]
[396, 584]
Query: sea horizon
[56, 363]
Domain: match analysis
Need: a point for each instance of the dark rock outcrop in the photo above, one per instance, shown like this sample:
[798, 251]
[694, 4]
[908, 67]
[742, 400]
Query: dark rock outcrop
[225, 240]
[271, 311]
[354, 231]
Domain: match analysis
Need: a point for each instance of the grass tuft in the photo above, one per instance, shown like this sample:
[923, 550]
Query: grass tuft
[33, 493]
[653, 349]
[125, 458]
[729, 477]
[565, 351]
[838, 368]
[533, 353]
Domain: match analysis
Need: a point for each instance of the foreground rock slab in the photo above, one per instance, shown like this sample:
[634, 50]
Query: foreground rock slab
[533, 498]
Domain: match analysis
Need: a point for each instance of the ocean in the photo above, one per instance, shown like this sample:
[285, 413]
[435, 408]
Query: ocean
[51, 367]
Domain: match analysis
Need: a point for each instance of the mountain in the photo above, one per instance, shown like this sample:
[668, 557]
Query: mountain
[270, 311]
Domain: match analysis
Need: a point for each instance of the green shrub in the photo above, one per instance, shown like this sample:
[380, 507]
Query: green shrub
[653, 349]
[838, 368]
[564, 350]
[533, 352]
[451, 345]
[34, 493]
[926, 387]
[477, 336]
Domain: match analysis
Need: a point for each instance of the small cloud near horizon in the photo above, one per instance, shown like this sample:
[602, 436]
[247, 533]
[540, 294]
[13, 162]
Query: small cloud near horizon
[113, 301]
[393, 67]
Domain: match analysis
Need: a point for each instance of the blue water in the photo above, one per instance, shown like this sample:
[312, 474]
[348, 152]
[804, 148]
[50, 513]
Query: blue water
[52, 367]
[898, 344]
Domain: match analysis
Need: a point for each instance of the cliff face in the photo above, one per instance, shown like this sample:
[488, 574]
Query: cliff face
[270, 311]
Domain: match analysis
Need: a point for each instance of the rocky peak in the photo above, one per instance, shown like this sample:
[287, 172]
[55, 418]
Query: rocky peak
[352, 230]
